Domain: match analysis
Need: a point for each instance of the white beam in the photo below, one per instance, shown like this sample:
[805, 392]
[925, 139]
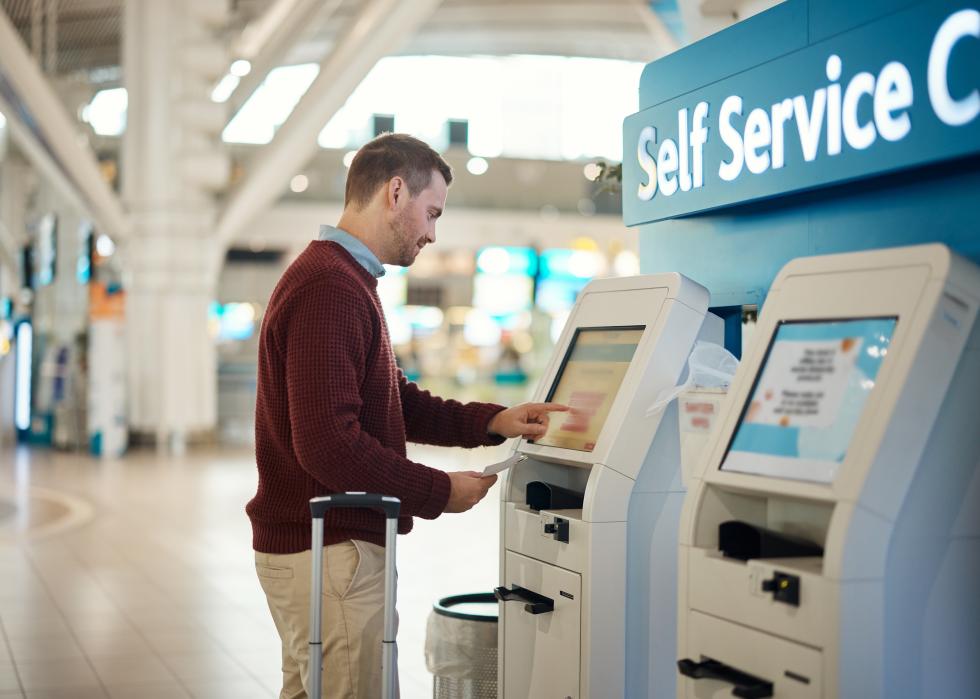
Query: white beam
[13, 200]
[377, 31]
[60, 132]
[35, 152]
[8, 251]
[10, 247]
[266, 41]
[663, 40]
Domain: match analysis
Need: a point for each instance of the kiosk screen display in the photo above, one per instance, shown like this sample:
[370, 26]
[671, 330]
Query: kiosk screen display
[587, 382]
[808, 397]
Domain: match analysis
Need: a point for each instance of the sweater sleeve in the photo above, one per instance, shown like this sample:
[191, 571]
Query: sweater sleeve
[325, 342]
[445, 423]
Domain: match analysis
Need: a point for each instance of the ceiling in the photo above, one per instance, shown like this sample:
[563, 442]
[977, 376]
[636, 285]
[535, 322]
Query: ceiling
[87, 32]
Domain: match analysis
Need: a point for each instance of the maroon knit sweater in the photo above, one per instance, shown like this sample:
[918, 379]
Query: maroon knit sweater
[333, 410]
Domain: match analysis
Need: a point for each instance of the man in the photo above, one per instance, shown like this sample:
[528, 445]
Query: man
[333, 413]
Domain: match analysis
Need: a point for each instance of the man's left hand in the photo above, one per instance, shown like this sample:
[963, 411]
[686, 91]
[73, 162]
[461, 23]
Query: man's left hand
[528, 420]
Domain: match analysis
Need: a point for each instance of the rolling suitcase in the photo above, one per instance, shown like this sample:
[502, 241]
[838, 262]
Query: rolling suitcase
[318, 508]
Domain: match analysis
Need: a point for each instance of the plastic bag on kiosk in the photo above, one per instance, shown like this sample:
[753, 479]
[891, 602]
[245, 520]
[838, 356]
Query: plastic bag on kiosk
[709, 366]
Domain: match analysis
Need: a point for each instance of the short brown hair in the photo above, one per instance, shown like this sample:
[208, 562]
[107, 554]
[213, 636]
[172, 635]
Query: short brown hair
[392, 155]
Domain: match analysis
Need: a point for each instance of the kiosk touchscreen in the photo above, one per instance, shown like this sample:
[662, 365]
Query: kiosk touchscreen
[588, 381]
[828, 544]
[808, 396]
[564, 509]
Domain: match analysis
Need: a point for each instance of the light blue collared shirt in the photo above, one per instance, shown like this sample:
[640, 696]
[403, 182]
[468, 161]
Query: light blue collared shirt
[358, 250]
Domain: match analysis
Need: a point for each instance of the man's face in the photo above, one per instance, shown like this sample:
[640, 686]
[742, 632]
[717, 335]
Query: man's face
[413, 223]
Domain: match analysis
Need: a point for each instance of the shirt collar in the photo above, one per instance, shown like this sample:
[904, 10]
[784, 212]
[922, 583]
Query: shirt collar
[358, 250]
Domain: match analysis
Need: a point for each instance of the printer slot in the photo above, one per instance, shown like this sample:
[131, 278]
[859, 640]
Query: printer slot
[744, 526]
[744, 541]
[548, 496]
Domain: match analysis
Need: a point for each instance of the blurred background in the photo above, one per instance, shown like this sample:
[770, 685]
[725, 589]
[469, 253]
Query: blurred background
[161, 164]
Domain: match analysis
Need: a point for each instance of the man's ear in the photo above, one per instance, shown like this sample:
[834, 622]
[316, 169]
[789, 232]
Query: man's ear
[396, 191]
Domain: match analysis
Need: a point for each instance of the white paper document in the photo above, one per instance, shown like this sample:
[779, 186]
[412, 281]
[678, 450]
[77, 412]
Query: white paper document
[512, 460]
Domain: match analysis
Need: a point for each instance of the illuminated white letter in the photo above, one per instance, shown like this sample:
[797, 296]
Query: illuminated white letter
[893, 93]
[728, 171]
[781, 113]
[666, 167]
[834, 69]
[685, 171]
[859, 137]
[646, 191]
[953, 112]
[758, 135]
[699, 136]
[809, 124]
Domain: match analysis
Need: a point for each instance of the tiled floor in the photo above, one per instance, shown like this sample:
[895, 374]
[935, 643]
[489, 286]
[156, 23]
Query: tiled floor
[143, 585]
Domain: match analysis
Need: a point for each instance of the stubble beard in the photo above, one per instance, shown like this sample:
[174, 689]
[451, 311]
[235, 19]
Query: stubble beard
[406, 242]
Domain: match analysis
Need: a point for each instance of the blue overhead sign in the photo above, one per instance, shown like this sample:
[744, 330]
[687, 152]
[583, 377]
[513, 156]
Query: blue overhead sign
[897, 92]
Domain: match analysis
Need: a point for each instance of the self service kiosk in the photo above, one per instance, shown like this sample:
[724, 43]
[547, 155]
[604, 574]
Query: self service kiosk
[830, 546]
[564, 507]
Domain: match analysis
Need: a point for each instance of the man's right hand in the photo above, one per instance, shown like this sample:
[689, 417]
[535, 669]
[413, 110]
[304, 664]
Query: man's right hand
[467, 489]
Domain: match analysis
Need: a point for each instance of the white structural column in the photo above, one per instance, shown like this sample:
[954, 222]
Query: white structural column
[377, 31]
[171, 165]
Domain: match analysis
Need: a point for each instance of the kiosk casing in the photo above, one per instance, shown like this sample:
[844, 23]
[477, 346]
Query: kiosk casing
[874, 461]
[625, 341]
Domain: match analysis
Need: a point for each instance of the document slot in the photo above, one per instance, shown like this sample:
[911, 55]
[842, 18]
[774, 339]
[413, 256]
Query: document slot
[538, 640]
[724, 657]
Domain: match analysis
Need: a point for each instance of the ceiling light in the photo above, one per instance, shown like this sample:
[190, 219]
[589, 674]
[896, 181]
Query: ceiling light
[477, 165]
[299, 184]
[104, 245]
[240, 68]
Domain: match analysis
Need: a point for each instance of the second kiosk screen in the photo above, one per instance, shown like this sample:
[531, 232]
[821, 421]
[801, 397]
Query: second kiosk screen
[809, 395]
[588, 381]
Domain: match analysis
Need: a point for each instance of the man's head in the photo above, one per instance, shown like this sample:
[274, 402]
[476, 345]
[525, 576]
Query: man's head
[399, 185]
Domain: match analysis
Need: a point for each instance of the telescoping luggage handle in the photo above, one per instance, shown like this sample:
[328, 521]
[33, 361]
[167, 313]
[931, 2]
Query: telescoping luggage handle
[318, 508]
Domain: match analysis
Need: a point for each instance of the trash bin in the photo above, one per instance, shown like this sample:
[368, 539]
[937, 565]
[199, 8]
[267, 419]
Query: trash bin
[461, 647]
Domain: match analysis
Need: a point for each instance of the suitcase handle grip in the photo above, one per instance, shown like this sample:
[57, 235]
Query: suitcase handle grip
[320, 505]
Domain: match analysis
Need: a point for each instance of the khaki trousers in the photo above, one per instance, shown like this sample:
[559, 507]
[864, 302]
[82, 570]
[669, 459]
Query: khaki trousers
[353, 618]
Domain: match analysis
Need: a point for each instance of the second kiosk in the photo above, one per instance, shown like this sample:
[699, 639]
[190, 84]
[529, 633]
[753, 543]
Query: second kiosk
[830, 545]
